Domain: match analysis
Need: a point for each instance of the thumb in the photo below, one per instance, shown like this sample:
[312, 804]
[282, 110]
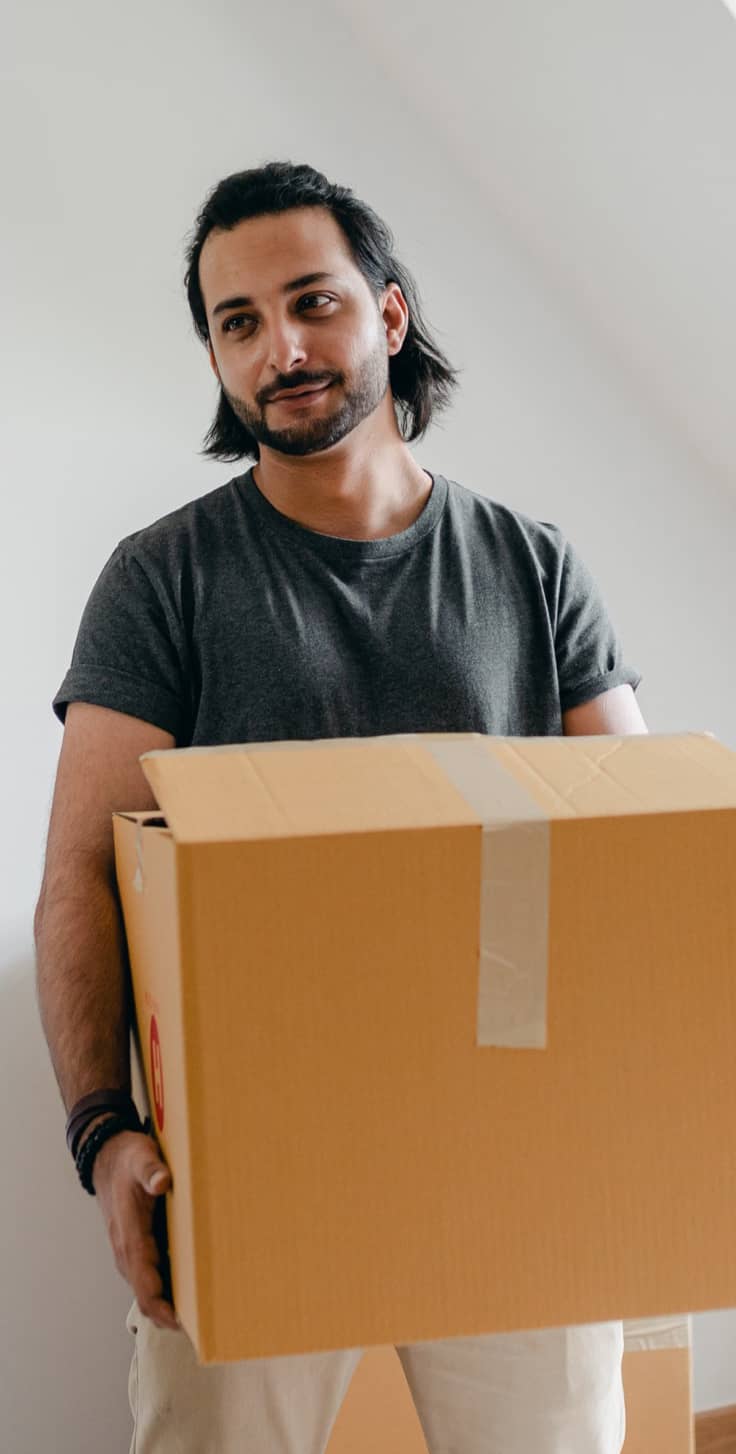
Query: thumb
[157, 1178]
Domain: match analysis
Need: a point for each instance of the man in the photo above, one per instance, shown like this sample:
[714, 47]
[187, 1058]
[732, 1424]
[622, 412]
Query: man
[335, 589]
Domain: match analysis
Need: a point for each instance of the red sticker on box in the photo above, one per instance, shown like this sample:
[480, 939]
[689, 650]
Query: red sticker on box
[157, 1074]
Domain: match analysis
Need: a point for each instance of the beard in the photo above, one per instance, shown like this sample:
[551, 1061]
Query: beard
[337, 413]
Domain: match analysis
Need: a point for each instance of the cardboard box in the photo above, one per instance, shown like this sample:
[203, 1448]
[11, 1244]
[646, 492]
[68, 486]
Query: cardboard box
[378, 1411]
[658, 1385]
[433, 1029]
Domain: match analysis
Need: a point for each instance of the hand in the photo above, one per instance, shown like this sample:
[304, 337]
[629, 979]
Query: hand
[128, 1176]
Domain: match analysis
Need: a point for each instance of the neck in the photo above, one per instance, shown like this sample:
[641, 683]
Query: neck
[378, 500]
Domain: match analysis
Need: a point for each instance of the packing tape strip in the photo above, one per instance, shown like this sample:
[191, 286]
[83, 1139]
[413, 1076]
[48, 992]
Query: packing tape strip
[514, 913]
[641, 1334]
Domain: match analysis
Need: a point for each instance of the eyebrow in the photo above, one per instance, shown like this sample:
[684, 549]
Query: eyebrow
[242, 302]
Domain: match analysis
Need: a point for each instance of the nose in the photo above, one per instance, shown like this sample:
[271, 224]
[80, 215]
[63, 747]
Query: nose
[287, 356]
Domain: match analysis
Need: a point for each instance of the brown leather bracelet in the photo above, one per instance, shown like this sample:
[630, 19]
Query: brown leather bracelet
[85, 1110]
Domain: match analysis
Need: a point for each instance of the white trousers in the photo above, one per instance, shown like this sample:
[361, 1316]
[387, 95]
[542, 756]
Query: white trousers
[554, 1391]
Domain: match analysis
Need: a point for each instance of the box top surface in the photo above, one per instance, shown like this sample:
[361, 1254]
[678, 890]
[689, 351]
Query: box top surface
[305, 788]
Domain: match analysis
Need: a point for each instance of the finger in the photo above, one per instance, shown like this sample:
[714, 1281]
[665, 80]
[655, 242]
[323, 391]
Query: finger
[163, 1316]
[148, 1288]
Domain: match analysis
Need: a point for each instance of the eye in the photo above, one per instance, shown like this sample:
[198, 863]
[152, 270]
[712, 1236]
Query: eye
[308, 296]
[237, 318]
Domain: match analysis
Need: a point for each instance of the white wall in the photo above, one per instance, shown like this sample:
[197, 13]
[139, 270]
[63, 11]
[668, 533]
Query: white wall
[118, 122]
[606, 136]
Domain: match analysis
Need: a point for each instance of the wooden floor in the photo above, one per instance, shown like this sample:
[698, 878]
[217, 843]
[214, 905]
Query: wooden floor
[715, 1431]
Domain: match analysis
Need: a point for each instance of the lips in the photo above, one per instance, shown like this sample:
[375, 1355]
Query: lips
[299, 393]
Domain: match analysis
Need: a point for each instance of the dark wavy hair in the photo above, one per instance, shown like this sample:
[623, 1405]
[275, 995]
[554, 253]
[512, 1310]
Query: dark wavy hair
[421, 377]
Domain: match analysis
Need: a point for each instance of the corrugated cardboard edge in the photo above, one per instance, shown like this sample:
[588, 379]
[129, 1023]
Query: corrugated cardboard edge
[192, 1051]
[199, 1317]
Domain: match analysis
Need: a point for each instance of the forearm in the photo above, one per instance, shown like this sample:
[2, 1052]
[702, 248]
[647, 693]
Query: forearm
[82, 983]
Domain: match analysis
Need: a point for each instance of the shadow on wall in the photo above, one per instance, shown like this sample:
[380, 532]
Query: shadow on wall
[64, 1348]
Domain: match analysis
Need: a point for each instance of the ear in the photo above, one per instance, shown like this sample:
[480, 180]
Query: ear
[213, 361]
[395, 316]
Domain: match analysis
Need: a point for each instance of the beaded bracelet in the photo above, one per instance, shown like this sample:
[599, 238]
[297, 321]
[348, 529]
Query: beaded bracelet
[97, 1138]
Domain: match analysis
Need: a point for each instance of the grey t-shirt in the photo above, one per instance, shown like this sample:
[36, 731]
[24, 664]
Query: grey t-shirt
[226, 621]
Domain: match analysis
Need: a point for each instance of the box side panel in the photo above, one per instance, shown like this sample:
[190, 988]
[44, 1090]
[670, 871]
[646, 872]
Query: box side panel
[659, 1414]
[146, 867]
[641, 1019]
[375, 1176]
[322, 1010]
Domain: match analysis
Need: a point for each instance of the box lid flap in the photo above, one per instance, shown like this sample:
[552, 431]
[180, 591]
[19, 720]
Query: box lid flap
[342, 785]
[253, 791]
[585, 777]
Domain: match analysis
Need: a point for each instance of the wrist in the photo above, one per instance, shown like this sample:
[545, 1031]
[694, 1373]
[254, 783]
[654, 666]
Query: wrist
[107, 1126]
[104, 1116]
[92, 1105]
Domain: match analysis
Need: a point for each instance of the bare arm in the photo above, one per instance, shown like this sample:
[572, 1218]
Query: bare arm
[82, 971]
[82, 974]
[81, 981]
[614, 713]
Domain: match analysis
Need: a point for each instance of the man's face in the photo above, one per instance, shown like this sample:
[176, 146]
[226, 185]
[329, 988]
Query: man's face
[328, 331]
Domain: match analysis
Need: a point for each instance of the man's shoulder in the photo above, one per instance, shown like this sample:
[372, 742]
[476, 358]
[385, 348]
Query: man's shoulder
[516, 528]
[189, 527]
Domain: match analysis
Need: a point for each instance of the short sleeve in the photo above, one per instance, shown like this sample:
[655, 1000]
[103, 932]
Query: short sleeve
[126, 655]
[590, 657]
